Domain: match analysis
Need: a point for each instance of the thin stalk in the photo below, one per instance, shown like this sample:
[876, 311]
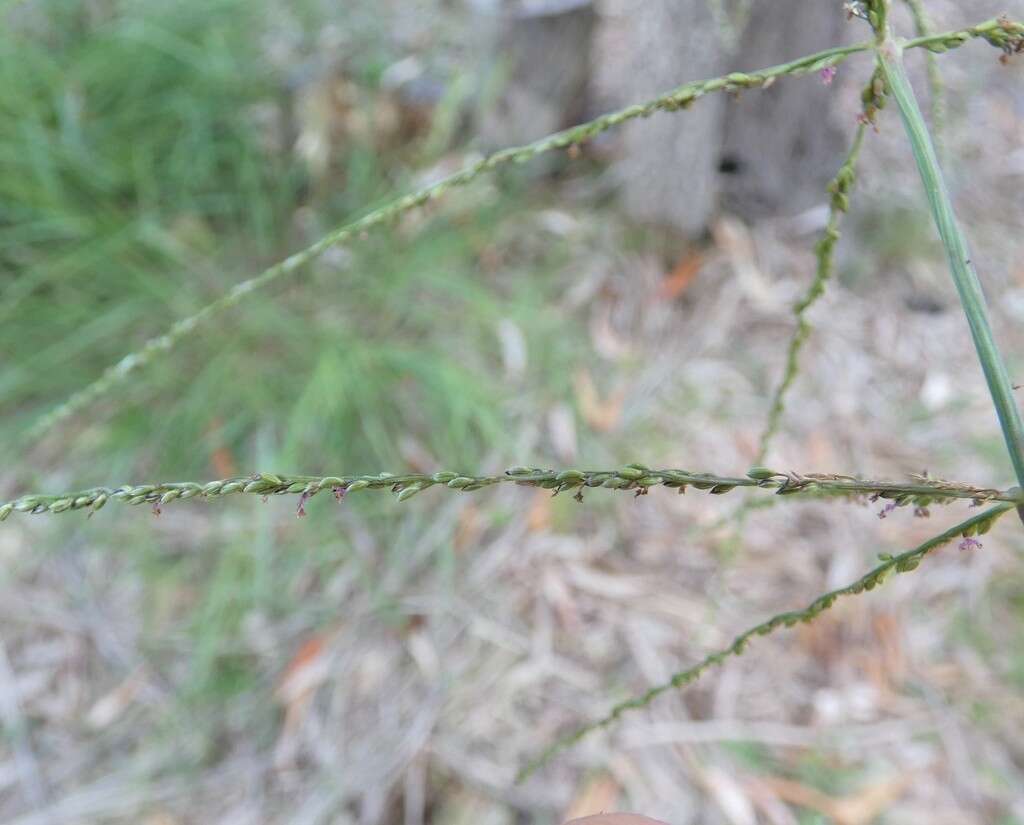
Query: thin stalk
[957, 253]
[839, 189]
[903, 563]
[999, 32]
[919, 492]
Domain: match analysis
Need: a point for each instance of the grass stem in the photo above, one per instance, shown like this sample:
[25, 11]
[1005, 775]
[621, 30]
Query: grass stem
[958, 254]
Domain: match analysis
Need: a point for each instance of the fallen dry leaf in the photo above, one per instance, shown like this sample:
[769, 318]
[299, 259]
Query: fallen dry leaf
[538, 517]
[602, 415]
[774, 810]
[468, 528]
[823, 640]
[679, 279]
[221, 459]
[889, 670]
[306, 671]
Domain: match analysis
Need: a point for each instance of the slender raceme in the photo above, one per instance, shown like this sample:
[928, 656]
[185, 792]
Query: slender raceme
[920, 492]
[1008, 36]
[890, 79]
[902, 563]
[840, 189]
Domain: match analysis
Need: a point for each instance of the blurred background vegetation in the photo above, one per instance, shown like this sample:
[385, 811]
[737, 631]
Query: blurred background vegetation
[144, 144]
[373, 663]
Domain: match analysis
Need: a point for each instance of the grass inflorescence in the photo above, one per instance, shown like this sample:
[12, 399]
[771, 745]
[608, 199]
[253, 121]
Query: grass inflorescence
[921, 492]
[138, 237]
[902, 563]
[839, 202]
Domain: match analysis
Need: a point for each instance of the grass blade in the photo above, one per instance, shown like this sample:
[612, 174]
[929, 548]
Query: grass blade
[957, 252]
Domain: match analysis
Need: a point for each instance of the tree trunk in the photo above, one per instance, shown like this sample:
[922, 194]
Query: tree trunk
[668, 170]
[781, 145]
[767, 152]
[542, 66]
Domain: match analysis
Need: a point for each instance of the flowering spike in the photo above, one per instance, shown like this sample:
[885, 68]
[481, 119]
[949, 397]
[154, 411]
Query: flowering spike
[919, 491]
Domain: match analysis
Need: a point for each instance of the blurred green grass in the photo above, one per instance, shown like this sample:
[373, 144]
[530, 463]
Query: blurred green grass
[137, 183]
